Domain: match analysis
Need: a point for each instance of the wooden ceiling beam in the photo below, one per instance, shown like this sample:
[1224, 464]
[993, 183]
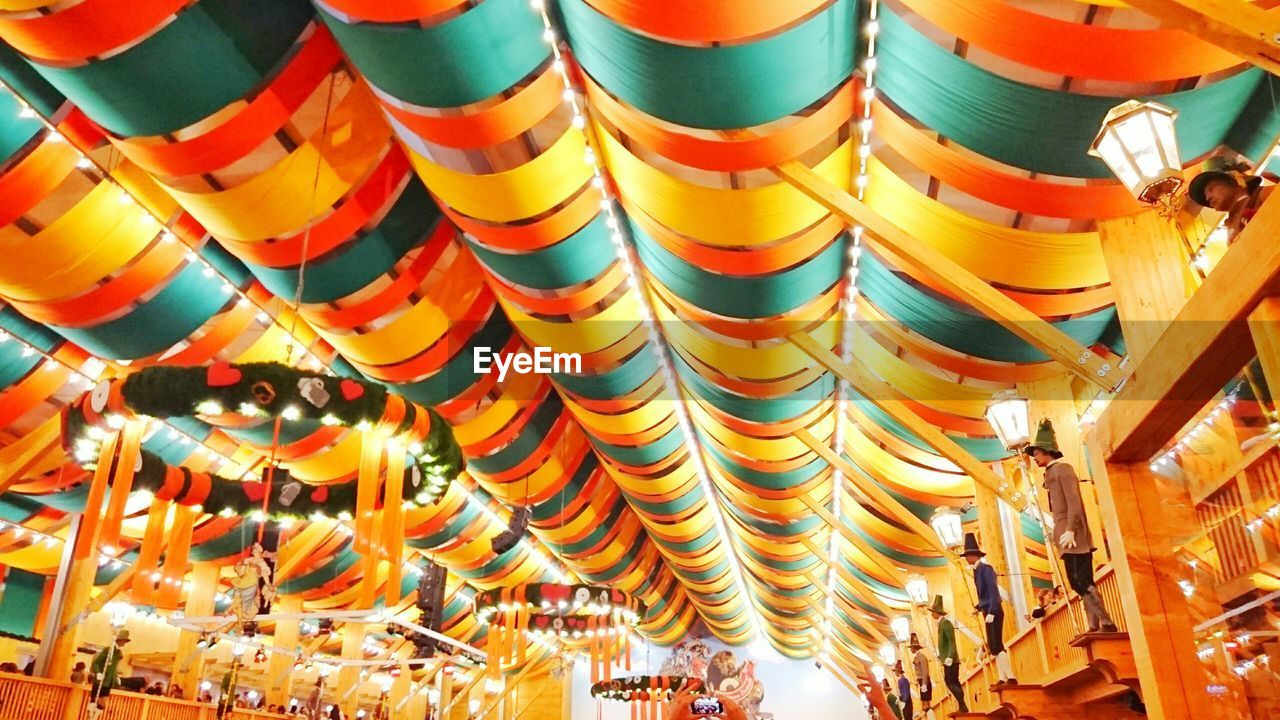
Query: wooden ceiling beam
[885, 397]
[1233, 25]
[1202, 349]
[953, 277]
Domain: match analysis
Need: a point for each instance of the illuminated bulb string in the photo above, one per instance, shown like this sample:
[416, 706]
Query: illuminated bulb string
[636, 283]
[86, 163]
[849, 303]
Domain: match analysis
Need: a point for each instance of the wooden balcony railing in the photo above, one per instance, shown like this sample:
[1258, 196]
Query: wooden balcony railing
[1040, 652]
[1234, 518]
[28, 698]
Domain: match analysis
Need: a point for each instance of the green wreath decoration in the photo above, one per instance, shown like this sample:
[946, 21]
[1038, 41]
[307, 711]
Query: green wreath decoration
[262, 390]
[643, 688]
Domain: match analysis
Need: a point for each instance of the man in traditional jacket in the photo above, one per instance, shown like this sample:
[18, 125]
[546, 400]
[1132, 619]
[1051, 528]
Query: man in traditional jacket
[1070, 526]
[948, 653]
[989, 607]
[924, 683]
[904, 691]
[892, 700]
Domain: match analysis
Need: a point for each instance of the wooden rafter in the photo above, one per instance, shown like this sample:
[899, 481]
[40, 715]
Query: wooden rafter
[953, 277]
[1203, 348]
[887, 399]
[1233, 25]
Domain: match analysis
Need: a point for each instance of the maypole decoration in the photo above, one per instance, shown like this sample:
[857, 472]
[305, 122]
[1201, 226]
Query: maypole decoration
[647, 694]
[598, 617]
[421, 454]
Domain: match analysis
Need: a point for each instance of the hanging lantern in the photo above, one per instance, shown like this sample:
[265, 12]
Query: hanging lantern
[918, 590]
[595, 617]
[1138, 143]
[648, 695]
[946, 522]
[901, 627]
[888, 654]
[877, 671]
[1009, 418]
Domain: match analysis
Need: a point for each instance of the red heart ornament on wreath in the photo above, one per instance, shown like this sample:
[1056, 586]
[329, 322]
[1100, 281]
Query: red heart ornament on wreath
[254, 490]
[221, 374]
[351, 389]
[320, 494]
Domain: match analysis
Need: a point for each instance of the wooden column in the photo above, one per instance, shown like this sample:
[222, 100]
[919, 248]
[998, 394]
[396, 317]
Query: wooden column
[279, 667]
[349, 675]
[188, 661]
[991, 539]
[1146, 263]
[1156, 611]
[1264, 326]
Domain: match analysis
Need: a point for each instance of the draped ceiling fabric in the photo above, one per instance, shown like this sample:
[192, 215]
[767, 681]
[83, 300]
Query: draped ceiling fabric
[385, 186]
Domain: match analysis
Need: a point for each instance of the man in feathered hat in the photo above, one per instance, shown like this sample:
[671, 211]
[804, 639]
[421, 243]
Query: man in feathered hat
[1069, 525]
[904, 691]
[989, 607]
[924, 684]
[948, 653]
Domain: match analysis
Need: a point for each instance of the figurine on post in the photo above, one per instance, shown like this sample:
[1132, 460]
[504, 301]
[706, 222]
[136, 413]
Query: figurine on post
[989, 607]
[924, 684]
[948, 653]
[904, 691]
[1070, 526]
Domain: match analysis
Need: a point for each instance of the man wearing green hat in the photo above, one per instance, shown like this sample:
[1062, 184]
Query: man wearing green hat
[948, 653]
[105, 668]
[1070, 526]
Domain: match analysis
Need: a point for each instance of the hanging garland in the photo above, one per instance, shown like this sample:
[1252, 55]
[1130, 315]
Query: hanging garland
[228, 394]
[598, 615]
[647, 694]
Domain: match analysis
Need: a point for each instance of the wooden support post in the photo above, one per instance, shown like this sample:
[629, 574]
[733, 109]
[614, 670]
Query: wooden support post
[279, 664]
[1264, 327]
[1156, 611]
[399, 690]
[888, 399]
[349, 675]
[1238, 27]
[950, 275]
[187, 662]
[1144, 258]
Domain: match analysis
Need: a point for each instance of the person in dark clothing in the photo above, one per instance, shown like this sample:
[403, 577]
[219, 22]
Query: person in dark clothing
[989, 607]
[904, 691]
[948, 653]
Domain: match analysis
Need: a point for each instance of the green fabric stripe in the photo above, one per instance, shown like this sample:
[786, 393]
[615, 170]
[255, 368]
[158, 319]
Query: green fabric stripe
[223, 546]
[643, 454]
[1026, 126]
[20, 602]
[13, 366]
[749, 296]
[760, 410]
[625, 378]
[580, 257]
[171, 315]
[969, 333]
[985, 449]
[15, 132]
[26, 82]
[363, 258]
[1259, 123]
[212, 54]
[476, 55]
[728, 86]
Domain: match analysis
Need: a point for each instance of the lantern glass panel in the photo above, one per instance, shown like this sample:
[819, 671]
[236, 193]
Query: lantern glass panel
[901, 626]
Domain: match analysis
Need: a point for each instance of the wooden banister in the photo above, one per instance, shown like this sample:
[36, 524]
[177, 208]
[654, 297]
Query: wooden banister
[34, 698]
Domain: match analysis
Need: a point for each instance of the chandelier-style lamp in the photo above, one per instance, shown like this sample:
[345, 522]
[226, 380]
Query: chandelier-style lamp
[1138, 143]
[918, 589]
[946, 522]
[598, 618]
[888, 654]
[901, 626]
[877, 671]
[1010, 418]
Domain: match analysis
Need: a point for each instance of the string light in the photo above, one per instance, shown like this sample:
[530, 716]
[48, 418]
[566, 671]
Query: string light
[657, 342]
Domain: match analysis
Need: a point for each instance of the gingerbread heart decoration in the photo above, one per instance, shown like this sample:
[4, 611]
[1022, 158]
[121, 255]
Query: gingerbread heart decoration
[221, 374]
[351, 390]
[555, 593]
[254, 490]
[320, 494]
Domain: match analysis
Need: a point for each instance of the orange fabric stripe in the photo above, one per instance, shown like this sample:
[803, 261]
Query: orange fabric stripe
[704, 21]
[491, 126]
[91, 28]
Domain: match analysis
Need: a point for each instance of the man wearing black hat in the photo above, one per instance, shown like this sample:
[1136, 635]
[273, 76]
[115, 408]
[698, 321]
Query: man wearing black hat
[948, 653]
[924, 684]
[989, 607]
[1070, 528]
[904, 691]
[891, 700]
[1231, 191]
